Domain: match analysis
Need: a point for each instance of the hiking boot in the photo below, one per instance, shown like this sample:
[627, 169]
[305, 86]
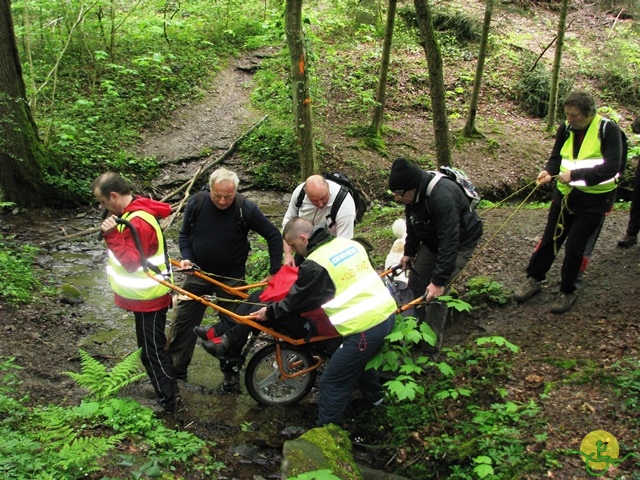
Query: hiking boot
[564, 302]
[166, 408]
[205, 333]
[148, 390]
[628, 241]
[231, 381]
[527, 290]
[217, 347]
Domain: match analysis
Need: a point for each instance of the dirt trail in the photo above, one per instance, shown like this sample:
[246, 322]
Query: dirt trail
[210, 125]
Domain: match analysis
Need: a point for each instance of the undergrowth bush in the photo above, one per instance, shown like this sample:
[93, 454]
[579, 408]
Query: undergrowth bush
[492, 436]
[482, 290]
[532, 91]
[18, 282]
[270, 156]
[458, 23]
[53, 442]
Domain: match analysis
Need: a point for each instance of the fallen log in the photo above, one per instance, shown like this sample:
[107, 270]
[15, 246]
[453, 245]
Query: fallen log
[73, 236]
[204, 169]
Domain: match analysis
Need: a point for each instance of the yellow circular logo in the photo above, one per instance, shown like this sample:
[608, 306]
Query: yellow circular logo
[598, 449]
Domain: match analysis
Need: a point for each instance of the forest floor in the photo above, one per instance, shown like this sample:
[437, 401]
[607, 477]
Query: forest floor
[572, 351]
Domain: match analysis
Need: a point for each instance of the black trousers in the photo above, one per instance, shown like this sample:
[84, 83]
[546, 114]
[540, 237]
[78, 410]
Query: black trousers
[634, 214]
[576, 229]
[156, 359]
[189, 314]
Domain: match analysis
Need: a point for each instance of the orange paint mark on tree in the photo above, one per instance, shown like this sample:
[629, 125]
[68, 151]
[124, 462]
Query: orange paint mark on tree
[301, 65]
[306, 101]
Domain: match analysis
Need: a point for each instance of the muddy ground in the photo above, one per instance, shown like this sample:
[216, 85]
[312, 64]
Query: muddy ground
[600, 330]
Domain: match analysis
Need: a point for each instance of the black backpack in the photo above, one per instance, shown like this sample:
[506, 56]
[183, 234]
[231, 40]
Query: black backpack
[203, 194]
[624, 148]
[360, 200]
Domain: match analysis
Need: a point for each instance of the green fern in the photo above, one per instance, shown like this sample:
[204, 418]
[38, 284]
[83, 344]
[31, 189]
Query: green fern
[102, 383]
[81, 455]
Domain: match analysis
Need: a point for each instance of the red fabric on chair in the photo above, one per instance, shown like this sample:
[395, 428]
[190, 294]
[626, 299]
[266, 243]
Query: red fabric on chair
[280, 284]
[279, 287]
[319, 318]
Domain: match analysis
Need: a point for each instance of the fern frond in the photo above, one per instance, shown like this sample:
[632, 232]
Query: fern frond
[124, 373]
[100, 382]
[92, 373]
[82, 454]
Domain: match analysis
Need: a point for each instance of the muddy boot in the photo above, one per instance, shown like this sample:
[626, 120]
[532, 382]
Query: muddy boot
[217, 347]
[628, 241]
[527, 290]
[231, 381]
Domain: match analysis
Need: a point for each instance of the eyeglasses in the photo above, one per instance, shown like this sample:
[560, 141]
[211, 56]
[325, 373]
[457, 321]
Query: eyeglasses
[399, 193]
[217, 197]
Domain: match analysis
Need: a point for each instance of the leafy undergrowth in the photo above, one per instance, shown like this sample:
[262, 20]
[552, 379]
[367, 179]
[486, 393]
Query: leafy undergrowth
[102, 435]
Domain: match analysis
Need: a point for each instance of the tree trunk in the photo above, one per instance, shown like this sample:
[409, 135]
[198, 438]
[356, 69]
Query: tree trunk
[555, 72]
[22, 155]
[436, 81]
[300, 88]
[470, 127]
[381, 93]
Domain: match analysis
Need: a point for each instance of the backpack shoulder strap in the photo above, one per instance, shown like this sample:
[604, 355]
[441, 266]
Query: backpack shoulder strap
[602, 127]
[198, 200]
[240, 217]
[337, 203]
[436, 178]
[300, 198]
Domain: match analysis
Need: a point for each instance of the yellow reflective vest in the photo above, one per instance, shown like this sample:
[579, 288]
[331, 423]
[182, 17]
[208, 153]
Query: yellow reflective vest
[138, 285]
[589, 156]
[361, 301]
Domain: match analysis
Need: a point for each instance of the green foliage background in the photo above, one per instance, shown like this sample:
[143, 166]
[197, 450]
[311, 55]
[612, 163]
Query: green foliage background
[99, 74]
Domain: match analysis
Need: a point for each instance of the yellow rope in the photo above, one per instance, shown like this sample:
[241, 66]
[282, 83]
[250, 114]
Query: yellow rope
[499, 228]
[559, 229]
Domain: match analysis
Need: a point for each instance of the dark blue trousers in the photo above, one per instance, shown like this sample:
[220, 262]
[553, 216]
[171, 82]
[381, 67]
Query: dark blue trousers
[346, 371]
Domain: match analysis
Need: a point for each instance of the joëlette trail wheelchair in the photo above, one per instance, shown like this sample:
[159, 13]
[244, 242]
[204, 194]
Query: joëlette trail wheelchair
[282, 370]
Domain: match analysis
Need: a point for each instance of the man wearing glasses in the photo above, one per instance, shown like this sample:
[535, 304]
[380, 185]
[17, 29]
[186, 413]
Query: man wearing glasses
[442, 232]
[585, 161]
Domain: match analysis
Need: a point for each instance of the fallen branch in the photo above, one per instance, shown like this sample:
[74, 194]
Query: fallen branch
[186, 186]
[204, 168]
[73, 236]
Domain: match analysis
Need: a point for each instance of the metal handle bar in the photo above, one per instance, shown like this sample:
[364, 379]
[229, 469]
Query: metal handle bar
[238, 291]
[246, 319]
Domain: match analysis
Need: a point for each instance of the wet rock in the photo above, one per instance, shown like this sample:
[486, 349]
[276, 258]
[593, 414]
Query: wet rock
[292, 431]
[70, 295]
[325, 448]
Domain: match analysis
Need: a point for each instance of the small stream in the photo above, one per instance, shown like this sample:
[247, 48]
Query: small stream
[249, 436]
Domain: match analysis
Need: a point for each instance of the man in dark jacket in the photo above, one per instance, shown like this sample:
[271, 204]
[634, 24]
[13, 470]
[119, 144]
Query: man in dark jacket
[442, 232]
[585, 160]
[337, 276]
[133, 289]
[214, 236]
[631, 235]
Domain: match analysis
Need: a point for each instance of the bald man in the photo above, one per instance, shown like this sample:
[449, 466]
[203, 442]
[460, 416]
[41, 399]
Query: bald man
[319, 196]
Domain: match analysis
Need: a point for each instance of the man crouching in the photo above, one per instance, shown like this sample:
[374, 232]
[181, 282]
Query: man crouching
[337, 276]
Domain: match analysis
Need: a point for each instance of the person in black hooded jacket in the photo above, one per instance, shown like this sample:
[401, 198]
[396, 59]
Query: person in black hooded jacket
[442, 232]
